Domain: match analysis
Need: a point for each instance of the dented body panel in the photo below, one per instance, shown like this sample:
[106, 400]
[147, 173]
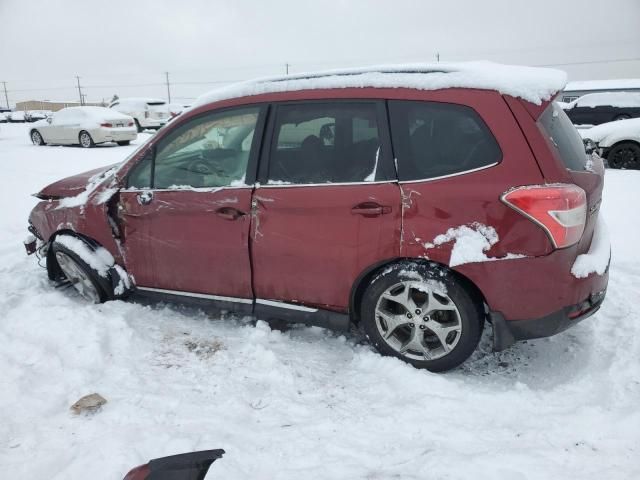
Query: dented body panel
[310, 244]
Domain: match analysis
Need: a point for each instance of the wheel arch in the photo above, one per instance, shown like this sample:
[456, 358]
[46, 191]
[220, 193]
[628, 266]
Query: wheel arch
[362, 282]
[114, 275]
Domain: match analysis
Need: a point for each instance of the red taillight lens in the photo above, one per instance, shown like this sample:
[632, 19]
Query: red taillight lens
[138, 473]
[107, 125]
[130, 124]
[561, 210]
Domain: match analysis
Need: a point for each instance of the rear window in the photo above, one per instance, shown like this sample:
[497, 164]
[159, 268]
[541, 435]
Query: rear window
[154, 104]
[564, 137]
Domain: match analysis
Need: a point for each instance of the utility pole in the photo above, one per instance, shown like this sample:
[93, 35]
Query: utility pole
[80, 91]
[6, 97]
[166, 75]
[286, 67]
[438, 57]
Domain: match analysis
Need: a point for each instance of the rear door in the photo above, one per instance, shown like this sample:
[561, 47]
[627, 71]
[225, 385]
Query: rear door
[328, 205]
[185, 212]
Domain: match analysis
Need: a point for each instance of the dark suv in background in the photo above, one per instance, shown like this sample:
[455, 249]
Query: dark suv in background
[417, 204]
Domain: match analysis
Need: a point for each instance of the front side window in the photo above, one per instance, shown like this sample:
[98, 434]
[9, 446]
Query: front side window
[325, 143]
[432, 139]
[209, 151]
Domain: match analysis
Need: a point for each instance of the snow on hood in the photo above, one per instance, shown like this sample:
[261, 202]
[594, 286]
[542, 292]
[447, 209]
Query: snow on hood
[74, 185]
[534, 85]
[606, 134]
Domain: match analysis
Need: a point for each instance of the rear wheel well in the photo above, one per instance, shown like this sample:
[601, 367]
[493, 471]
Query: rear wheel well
[365, 278]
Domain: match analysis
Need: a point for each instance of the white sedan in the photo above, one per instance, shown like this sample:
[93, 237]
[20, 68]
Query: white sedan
[84, 126]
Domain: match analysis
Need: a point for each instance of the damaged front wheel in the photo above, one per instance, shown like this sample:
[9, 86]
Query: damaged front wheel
[79, 274]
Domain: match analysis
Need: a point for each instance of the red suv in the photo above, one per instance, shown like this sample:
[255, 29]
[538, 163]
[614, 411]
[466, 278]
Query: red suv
[414, 202]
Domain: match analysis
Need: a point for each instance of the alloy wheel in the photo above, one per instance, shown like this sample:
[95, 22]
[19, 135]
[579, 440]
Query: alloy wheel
[36, 138]
[85, 140]
[418, 320]
[78, 278]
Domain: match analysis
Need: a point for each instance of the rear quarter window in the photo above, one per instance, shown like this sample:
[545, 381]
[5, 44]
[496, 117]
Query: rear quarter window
[432, 139]
[564, 137]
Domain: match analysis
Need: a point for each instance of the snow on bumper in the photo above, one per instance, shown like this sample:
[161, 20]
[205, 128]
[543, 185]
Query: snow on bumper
[596, 260]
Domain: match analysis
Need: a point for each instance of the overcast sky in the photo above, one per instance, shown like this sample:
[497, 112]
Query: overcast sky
[125, 46]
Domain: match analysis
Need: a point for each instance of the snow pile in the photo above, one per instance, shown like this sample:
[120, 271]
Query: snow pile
[597, 258]
[532, 84]
[471, 243]
[607, 134]
[613, 99]
[99, 259]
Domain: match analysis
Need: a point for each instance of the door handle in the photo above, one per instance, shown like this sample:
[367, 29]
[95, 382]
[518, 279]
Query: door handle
[370, 209]
[229, 213]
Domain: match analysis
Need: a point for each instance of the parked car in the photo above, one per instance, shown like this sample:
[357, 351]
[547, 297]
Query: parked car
[84, 126]
[416, 203]
[185, 466]
[148, 113]
[16, 117]
[597, 108]
[35, 115]
[617, 142]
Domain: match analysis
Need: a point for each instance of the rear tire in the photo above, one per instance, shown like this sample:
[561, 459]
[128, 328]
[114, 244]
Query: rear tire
[85, 279]
[124, 143]
[85, 140]
[36, 138]
[624, 155]
[421, 314]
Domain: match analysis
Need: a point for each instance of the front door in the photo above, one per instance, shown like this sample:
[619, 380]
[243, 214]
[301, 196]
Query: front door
[328, 206]
[185, 211]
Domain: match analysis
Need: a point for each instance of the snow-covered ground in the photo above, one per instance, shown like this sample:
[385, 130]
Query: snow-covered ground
[306, 403]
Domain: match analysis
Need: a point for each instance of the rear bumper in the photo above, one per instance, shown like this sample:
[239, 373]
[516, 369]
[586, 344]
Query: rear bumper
[506, 333]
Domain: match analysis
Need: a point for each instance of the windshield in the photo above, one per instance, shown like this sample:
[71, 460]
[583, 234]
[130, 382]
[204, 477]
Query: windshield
[564, 137]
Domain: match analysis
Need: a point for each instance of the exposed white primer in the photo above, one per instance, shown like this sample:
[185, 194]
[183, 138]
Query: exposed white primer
[597, 258]
[532, 84]
[470, 244]
[100, 259]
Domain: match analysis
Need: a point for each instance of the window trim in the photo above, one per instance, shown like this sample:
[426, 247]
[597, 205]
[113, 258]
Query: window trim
[448, 175]
[252, 163]
[385, 158]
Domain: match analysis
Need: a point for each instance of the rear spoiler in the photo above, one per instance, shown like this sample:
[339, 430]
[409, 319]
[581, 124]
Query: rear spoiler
[534, 110]
[186, 466]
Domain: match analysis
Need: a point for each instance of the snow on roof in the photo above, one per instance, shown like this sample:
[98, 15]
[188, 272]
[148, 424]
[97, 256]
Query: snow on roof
[98, 112]
[139, 100]
[614, 84]
[611, 132]
[613, 99]
[529, 83]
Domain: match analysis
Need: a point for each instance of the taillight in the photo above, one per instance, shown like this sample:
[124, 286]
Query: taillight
[146, 114]
[561, 210]
[138, 473]
[130, 124]
[107, 125]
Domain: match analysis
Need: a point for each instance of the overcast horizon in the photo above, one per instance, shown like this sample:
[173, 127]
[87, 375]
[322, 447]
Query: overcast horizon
[124, 48]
